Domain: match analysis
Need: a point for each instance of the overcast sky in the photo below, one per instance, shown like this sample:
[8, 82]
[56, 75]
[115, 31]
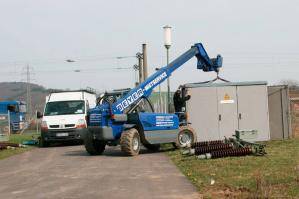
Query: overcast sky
[259, 40]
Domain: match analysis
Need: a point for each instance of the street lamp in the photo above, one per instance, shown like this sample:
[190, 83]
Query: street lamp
[70, 60]
[167, 44]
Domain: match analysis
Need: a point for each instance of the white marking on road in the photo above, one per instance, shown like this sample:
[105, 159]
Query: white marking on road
[17, 192]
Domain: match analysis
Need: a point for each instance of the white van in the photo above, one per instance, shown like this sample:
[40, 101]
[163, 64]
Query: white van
[64, 115]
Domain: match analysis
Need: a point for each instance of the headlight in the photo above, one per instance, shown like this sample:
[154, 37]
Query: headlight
[44, 126]
[81, 123]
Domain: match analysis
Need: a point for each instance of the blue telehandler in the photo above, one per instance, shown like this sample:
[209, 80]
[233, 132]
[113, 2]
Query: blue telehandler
[128, 119]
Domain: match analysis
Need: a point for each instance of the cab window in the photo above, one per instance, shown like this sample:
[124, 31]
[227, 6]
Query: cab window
[12, 108]
[143, 106]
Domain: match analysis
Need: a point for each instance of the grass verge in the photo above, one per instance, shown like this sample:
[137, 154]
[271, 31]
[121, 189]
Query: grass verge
[17, 138]
[275, 175]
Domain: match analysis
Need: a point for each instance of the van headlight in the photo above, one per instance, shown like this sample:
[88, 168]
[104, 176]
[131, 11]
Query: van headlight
[81, 124]
[44, 126]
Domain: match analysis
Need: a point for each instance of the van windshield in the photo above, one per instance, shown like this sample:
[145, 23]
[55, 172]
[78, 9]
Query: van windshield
[65, 108]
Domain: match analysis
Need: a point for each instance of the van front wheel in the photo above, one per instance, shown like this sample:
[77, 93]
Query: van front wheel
[42, 142]
[93, 146]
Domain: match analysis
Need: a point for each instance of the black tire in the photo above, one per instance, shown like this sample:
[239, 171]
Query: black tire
[152, 147]
[43, 143]
[130, 142]
[185, 130]
[93, 146]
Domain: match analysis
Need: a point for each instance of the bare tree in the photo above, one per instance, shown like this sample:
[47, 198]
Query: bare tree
[293, 84]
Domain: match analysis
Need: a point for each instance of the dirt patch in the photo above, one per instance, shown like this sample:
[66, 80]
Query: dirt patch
[227, 192]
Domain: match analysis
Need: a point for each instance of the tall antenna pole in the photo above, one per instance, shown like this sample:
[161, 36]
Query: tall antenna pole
[140, 66]
[144, 53]
[167, 44]
[28, 93]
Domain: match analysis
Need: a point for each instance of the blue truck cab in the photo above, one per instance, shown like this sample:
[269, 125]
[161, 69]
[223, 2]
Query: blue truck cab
[17, 111]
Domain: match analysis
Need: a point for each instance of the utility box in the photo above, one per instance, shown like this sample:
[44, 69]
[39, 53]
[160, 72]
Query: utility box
[247, 135]
[217, 110]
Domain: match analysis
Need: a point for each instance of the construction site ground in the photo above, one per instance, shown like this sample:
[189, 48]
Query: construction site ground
[69, 172]
[275, 175]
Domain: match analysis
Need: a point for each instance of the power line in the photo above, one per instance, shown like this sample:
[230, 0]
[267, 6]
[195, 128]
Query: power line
[29, 73]
[83, 70]
[72, 59]
[104, 57]
[28, 91]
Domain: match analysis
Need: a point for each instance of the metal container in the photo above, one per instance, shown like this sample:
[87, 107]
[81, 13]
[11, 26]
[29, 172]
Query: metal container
[216, 110]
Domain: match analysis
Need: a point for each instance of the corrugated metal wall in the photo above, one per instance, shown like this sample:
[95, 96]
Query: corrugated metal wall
[295, 117]
[294, 106]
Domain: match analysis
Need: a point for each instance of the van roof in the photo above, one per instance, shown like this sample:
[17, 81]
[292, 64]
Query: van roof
[87, 91]
[69, 95]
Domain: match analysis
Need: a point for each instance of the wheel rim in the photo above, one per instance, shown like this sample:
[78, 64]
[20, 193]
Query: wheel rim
[135, 143]
[185, 138]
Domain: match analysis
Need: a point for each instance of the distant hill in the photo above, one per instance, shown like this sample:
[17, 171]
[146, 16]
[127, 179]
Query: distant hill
[17, 91]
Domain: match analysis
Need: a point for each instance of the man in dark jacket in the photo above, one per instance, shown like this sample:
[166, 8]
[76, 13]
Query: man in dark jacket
[179, 100]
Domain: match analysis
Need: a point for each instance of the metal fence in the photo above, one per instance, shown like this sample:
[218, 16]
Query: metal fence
[159, 102]
[4, 127]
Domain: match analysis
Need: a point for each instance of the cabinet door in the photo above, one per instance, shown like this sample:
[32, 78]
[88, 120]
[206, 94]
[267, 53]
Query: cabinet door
[202, 112]
[253, 110]
[227, 111]
[276, 112]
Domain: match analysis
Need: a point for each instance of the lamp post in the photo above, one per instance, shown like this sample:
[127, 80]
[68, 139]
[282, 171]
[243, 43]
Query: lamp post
[167, 44]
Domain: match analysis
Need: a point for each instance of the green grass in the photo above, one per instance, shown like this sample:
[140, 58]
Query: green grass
[273, 175]
[17, 138]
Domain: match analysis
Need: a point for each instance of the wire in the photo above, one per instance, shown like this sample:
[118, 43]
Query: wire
[85, 70]
[73, 59]
[102, 58]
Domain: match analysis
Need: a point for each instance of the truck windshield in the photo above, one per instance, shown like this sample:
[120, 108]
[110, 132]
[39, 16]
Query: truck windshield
[64, 108]
[22, 108]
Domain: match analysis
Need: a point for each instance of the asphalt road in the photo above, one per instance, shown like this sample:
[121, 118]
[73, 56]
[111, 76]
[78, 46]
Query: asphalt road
[69, 172]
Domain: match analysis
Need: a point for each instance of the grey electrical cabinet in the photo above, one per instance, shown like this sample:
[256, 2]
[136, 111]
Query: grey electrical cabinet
[216, 110]
[279, 112]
